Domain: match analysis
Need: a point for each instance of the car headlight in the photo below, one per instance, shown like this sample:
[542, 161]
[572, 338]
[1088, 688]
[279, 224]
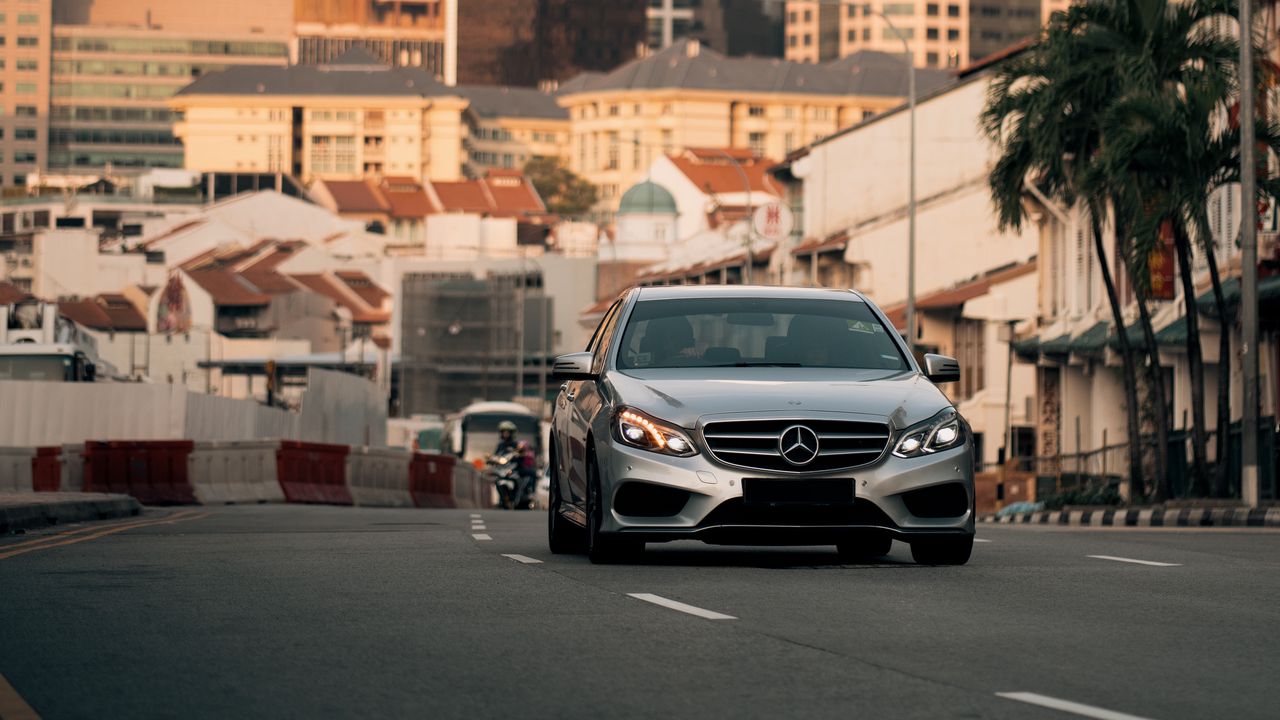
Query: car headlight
[941, 432]
[640, 430]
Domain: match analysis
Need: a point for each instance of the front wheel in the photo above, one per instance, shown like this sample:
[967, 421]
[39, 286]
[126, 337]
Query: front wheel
[947, 550]
[602, 548]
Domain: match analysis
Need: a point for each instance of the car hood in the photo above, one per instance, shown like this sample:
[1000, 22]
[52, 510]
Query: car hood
[684, 396]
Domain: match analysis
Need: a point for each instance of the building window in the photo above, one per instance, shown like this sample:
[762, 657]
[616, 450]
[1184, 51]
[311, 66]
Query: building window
[953, 34]
[668, 142]
[852, 36]
[24, 156]
[25, 111]
[900, 9]
[24, 133]
[868, 114]
[613, 111]
[853, 11]
[26, 88]
[28, 19]
[755, 110]
[611, 161]
[931, 33]
[931, 59]
[28, 41]
[866, 33]
[970, 342]
[789, 142]
[931, 9]
[953, 11]
[808, 16]
[27, 64]
[333, 154]
[635, 150]
[791, 41]
[755, 141]
[808, 39]
[900, 33]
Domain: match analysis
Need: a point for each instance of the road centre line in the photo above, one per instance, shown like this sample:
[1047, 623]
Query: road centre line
[1067, 706]
[674, 605]
[475, 515]
[1136, 562]
[12, 706]
[59, 541]
[523, 559]
[481, 536]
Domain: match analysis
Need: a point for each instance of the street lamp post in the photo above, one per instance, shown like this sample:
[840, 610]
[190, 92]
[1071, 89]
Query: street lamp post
[911, 174]
[1250, 490]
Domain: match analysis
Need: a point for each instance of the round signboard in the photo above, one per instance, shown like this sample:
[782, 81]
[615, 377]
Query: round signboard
[772, 221]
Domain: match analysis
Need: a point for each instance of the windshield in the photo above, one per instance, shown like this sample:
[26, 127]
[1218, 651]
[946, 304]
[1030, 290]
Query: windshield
[35, 367]
[747, 332]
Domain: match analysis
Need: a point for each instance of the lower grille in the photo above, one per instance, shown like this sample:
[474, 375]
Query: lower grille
[736, 512]
[754, 444]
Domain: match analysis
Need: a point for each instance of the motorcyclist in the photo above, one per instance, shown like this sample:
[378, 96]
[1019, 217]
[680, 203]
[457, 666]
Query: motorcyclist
[526, 462]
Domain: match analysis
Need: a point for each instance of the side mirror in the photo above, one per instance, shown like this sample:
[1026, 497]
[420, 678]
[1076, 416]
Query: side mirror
[941, 369]
[574, 366]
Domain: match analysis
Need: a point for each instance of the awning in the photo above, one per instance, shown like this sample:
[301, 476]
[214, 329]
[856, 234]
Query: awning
[1268, 292]
[1092, 341]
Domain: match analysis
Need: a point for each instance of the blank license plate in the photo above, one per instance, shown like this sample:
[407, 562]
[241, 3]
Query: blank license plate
[772, 491]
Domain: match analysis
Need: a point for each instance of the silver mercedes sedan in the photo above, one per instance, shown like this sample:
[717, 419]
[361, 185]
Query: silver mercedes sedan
[757, 416]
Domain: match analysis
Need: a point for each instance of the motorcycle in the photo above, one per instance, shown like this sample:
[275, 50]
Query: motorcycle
[515, 492]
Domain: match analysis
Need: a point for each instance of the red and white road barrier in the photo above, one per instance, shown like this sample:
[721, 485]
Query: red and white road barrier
[172, 472]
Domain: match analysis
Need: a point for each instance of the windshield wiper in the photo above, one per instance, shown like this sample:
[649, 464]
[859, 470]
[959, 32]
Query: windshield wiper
[752, 364]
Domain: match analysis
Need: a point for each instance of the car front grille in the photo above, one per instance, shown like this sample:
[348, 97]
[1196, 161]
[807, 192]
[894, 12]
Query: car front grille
[754, 444]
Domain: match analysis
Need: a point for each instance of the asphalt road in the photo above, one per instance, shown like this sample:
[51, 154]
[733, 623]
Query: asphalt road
[292, 611]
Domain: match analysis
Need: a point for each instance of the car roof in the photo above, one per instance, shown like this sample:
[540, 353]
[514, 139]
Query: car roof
[679, 292]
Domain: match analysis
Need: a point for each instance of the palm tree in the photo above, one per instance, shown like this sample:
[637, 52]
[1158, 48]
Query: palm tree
[1044, 112]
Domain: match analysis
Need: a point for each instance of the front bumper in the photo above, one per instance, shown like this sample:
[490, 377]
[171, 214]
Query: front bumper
[715, 511]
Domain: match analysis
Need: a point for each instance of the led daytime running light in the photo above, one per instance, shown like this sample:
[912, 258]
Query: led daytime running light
[659, 440]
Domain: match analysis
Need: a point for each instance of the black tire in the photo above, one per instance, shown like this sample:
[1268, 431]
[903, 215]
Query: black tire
[563, 537]
[602, 548]
[949, 550]
[865, 548]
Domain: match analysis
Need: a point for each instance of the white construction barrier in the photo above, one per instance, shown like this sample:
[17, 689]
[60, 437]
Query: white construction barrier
[379, 477]
[15, 469]
[235, 472]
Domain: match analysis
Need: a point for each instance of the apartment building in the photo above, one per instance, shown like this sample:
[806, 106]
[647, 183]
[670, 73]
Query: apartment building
[347, 119]
[24, 88]
[690, 96]
[401, 33]
[509, 126]
[937, 33]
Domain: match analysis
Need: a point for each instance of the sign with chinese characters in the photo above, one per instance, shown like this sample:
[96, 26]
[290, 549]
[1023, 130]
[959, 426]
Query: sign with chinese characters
[1161, 264]
[772, 221]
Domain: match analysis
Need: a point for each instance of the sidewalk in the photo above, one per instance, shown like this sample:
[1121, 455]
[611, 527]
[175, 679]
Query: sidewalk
[26, 511]
[1191, 517]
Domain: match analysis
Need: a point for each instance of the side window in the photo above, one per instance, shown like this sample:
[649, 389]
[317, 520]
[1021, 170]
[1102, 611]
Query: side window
[604, 338]
[604, 323]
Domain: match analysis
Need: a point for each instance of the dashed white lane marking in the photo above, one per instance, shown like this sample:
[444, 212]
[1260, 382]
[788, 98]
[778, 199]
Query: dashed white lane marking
[1136, 562]
[1067, 706]
[980, 540]
[690, 609]
[523, 559]
[475, 515]
[481, 536]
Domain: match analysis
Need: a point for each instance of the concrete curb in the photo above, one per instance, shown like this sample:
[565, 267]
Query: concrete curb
[1146, 517]
[29, 511]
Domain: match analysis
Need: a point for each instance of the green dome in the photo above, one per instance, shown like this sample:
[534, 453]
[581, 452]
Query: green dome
[647, 198]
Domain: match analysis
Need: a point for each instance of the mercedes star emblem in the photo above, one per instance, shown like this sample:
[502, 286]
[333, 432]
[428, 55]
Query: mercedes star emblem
[798, 445]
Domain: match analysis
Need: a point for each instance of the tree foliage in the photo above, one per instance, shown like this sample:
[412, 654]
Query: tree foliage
[564, 192]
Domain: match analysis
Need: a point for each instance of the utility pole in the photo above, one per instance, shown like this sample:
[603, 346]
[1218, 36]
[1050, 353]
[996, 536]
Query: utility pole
[1248, 265]
[520, 326]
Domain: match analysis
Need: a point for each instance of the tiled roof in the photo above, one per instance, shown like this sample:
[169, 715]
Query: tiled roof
[960, 294]
[108, 312]
[339, 292]
[697, 67]
[499, 101]
[512, 193]
[463, 196]
[347, 75]
[813, 245]
[713, 173]
[124, 315]
[9, 294]
[229, 289]
[364, 286]
[356, 196]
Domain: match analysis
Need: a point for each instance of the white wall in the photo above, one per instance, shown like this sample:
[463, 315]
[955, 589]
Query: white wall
[857, 183]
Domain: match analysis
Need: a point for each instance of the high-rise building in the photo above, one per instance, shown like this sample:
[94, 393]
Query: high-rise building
[401, 33]
[939, 33]
[24, 87]
[732, 27]
[116, 64]
[527, 42]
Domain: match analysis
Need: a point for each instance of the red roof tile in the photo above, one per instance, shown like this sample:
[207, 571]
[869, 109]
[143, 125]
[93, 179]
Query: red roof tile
[9, 294]
[369, 291]
[409, 203]
[513, 194]
[86, 313]
[463, 196]
[344, 296]
[356, 196]
[124, 315]
[838, 241]
[711, 172]
[959, 294]
[229, 289]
